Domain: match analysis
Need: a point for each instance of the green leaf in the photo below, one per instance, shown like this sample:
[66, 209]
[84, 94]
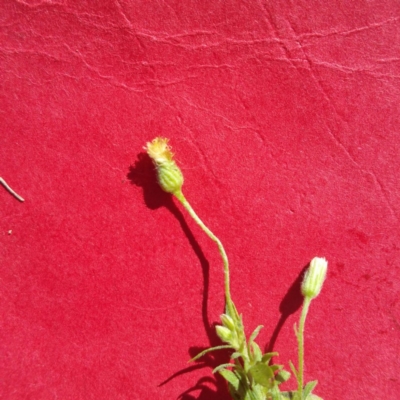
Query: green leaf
[293, 395]
[267, 357]
[276, 367]
[230, 377]
[293, 368]
[309, 388]
[217, 369]
[282, 376]
[235, 355]
[235, 315]
[275, 393]
[248, 395]
[256, 351]
[290, 395]
[224, 346]
[262, 374]
[314, 397]
[260, 392]
[255, 333]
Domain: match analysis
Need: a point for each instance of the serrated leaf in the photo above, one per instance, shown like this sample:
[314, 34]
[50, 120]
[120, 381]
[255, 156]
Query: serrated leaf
[204, 352]
[309, 388]
[262, 374]
[282, 376]
[223, 366]
[230, 377]
[256, 351]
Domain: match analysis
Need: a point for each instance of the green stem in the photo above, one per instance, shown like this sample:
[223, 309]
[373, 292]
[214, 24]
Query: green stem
[300, 339]
[229, 305]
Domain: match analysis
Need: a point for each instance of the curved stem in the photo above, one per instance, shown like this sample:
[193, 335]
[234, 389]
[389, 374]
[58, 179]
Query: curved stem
[300, 339]
[229, 305]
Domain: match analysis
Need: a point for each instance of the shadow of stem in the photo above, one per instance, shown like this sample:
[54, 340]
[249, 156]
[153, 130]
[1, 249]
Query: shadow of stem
[290, 303]
[142, 174]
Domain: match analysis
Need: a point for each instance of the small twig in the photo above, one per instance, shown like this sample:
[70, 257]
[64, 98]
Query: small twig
[16, 195]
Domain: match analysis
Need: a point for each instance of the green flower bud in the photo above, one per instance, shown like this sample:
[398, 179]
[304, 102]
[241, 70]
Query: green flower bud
[169, 175]
[224, 333]
[314, 277]
[228, 322]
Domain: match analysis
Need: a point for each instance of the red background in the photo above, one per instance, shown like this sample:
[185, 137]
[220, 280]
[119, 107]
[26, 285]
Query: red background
[284, 117]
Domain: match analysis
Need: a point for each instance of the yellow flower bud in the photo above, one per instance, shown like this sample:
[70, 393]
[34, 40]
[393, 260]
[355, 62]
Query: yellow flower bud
[314, 277]
[169, 175]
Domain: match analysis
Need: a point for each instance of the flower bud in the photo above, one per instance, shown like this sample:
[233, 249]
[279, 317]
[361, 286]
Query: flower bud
[224, 333]
[314, 277]
[228, 322]
[169, 175]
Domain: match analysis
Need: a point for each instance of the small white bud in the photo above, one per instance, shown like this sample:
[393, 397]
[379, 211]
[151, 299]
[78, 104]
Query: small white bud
[314, 277]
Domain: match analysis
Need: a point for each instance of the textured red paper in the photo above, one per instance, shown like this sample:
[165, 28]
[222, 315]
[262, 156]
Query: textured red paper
[284, 117]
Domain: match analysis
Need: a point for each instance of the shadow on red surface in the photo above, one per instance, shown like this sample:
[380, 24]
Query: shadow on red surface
[143, 174]
[291, 302]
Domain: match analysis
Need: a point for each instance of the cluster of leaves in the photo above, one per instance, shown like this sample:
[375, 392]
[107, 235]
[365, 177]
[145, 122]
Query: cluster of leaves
[250, 374]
